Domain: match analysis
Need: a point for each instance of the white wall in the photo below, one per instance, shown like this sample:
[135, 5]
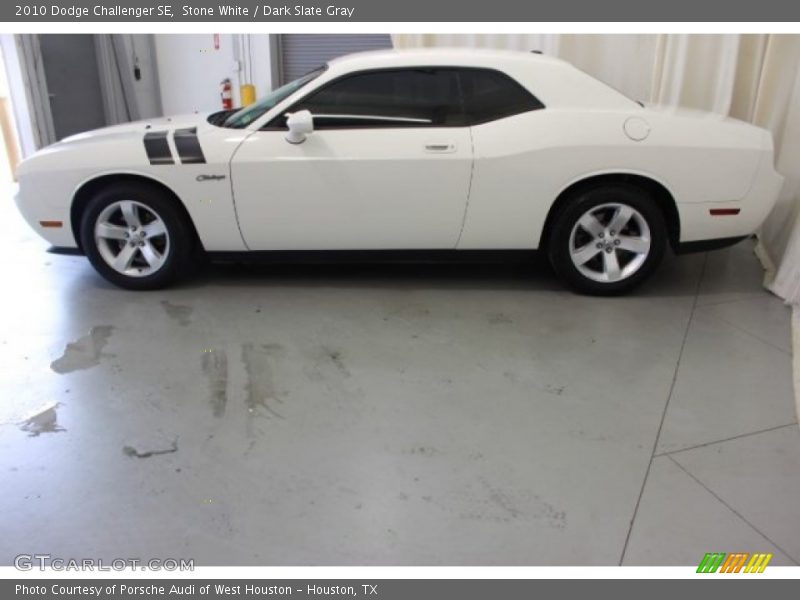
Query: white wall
[190, 69]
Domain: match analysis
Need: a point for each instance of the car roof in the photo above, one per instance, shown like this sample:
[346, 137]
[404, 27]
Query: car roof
[478, 57]
[553, 81]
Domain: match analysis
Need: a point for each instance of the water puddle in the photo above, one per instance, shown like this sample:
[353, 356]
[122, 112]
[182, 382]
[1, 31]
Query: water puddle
[260, 393]
[85, 352]
[44, 420]
[132, 452]
[215, 368]
[178, 312]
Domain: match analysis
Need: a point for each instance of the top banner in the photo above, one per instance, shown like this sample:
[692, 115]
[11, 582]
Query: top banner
[464, 11]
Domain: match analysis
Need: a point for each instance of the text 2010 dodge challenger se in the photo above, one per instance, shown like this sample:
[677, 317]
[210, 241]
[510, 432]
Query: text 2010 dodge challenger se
[447, 150]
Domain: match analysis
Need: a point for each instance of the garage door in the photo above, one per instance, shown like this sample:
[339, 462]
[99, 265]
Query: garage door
[300, 53]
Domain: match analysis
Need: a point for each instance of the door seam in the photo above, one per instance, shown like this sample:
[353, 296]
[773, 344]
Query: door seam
[469, 189]
[233, 193]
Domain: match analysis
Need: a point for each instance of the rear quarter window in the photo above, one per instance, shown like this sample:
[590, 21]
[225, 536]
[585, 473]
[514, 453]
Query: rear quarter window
[492, 95]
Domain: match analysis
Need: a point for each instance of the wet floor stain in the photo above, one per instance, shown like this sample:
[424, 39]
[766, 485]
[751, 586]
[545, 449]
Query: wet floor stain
[335, 356]
[132, 452]
[550, 388]
[554, 517]
[491, 503]
[426, 451]
[502, 501]
[331, 368]
[178, 312]
[85, 352]
[215, 368]
[44, 420]
[260, 393]
[325, 362]
[498, 318]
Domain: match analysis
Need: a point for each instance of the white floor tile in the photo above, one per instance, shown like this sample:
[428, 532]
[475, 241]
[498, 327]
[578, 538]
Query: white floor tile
[729, 383]
[764, 317]
[679, 521]
[759, 477]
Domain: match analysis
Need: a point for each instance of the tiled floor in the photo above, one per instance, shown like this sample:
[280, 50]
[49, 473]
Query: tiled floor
[727, 460]
[394, 415]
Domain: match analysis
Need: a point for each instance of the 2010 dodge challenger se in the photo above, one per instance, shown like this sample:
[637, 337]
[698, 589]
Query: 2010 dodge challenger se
[422, 150]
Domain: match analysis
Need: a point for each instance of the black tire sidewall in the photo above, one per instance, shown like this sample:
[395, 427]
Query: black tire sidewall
[558, 247]
[180, 238]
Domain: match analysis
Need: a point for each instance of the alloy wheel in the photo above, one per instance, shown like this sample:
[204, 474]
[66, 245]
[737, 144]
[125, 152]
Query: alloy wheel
[131, 238]
[610, 242]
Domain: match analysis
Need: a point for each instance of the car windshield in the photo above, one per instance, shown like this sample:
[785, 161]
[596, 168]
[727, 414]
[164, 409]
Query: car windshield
[242, 118]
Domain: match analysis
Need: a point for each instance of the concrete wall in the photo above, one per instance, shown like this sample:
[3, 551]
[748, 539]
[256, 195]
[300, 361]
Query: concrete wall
[190, 69]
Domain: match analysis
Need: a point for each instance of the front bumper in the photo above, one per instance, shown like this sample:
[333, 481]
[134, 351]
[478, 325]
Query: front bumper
[51, 222]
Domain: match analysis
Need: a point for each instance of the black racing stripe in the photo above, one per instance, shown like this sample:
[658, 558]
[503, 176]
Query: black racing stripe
[157, 148]
[188, 146]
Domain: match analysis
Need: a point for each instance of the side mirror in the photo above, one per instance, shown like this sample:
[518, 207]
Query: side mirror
[300, 124]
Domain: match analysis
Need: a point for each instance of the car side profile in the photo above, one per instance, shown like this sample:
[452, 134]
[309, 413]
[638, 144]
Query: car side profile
[422, 150]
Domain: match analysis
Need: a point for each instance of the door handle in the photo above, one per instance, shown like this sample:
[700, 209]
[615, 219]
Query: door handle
[441, 148]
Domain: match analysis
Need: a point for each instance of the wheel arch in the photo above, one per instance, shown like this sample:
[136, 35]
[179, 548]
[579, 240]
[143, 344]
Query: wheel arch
[656, 189]
[87, 189]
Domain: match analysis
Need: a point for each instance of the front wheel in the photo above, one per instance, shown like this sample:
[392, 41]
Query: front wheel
[607, 240]
[135, 236]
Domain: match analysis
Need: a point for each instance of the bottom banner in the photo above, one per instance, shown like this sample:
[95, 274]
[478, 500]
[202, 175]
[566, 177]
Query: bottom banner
[395, 589]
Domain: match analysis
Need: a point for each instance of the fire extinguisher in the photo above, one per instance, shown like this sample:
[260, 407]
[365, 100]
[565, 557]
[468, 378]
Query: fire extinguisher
[226, 93]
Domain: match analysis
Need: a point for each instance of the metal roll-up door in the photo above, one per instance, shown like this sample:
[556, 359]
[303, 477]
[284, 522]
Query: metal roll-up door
[303, 52]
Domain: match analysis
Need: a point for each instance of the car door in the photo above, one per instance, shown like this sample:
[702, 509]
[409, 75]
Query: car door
[387, 167]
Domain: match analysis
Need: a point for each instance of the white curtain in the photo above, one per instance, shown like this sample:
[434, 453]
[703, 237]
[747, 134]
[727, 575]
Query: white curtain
[115, 102]
[749, 77]
[36, 101]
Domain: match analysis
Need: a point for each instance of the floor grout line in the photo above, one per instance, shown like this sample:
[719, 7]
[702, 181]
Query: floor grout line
[748, 297]
[795, 360]
[666, 406]
[747, 333]
[728, 439]
[733, 510]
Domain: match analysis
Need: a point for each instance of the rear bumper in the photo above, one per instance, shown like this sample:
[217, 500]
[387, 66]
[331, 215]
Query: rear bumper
[707, 245]
[702, 223]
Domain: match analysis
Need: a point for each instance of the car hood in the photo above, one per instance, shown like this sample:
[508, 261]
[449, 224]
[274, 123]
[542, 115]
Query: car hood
[116, 147]
[139, 128]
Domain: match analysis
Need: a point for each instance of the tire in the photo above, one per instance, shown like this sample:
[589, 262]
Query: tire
[136, 237]
[590, 252]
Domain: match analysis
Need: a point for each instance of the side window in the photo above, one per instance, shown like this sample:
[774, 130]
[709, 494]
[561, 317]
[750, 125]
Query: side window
[491, 95]
[394, 98]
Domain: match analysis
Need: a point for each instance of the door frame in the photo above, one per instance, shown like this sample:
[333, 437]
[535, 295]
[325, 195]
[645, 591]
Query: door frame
[30, 96]
[276, 60]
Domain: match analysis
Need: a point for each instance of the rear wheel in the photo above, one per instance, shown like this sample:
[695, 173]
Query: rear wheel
[607, 240]
[135, 236]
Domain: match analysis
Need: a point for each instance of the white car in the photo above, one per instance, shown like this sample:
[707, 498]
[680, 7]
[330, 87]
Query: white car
[404, 152]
